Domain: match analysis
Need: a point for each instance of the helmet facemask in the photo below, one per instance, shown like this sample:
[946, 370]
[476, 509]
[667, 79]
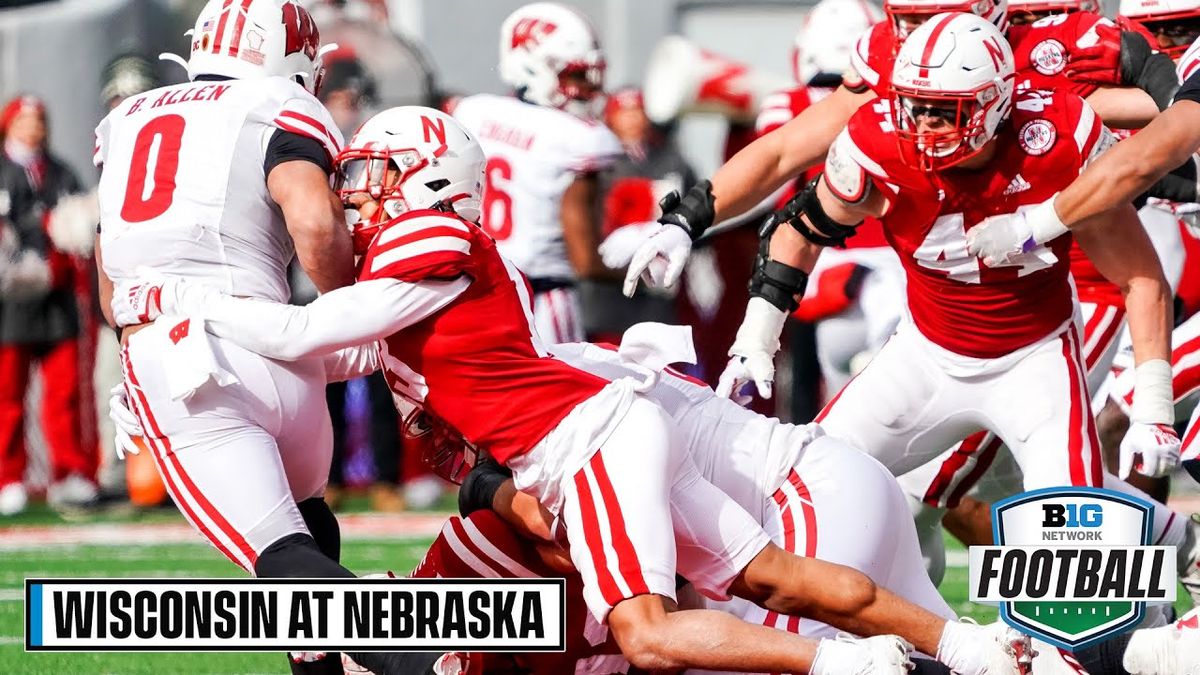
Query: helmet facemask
[955, 124]
[370, 184]
[906, 17]
[442, 449]
[580, 84]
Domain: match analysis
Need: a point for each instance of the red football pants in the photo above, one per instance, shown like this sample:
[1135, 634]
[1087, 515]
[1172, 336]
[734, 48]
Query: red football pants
[59, 367]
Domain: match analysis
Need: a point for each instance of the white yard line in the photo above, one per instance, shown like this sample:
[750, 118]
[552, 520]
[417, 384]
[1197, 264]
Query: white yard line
[355, 527]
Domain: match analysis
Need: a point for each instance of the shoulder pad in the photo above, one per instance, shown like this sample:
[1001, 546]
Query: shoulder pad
[420, 245]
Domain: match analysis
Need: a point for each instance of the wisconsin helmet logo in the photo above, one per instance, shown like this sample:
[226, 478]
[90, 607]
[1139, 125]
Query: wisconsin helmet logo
[1048, 57]
[1037, 137]
[1072, 566]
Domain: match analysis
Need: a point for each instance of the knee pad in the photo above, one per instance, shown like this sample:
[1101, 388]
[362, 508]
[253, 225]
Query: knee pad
[323, 526]
[297, 556]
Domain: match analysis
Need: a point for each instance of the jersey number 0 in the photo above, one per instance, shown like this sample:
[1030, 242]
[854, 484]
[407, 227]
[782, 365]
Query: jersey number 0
[158, 142]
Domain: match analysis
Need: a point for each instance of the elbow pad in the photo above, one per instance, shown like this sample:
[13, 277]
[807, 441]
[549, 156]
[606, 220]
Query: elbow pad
[694, 212]
[1152, 72]
[820, 228]
[773, 281]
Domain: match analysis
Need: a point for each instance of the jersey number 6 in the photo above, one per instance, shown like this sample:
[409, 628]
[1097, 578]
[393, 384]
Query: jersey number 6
[497, 204]
[159, 142]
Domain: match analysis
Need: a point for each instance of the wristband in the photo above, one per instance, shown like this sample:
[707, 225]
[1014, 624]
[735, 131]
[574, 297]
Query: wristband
[1044, 224]
[1153, 398]
[760, 330]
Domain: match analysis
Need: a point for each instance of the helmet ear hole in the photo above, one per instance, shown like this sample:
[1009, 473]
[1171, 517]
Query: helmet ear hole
[438, 184]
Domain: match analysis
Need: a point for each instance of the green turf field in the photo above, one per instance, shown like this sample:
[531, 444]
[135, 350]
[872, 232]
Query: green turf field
[199, 560]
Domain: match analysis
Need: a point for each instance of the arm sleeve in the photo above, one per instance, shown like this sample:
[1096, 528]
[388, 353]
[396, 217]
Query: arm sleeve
[1190, 91]
[286, 146]
[351, 362]
[350, 316]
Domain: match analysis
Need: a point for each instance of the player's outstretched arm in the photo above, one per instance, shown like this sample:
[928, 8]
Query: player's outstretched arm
[355, 315]
[1117, 177]
[768, 163]
[1123, 107]
[1118, 245]
[316, 220]
[580, 232]
[748, 178]
[791, 243]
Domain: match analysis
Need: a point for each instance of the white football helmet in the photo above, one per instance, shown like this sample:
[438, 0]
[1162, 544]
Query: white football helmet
[1022, 12]
[256, 38]
[406, 159]
[823, 44]
[906, 15]
[550, 55]
[1174, 23]
[959, 69]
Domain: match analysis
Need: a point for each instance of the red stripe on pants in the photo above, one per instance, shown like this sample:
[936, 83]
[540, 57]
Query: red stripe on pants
[591, 536]
[159, 441]
[627, 560]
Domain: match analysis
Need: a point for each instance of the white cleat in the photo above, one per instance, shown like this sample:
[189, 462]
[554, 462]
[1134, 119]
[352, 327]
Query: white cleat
[1168, 650]
[848, 655]
[13, 499]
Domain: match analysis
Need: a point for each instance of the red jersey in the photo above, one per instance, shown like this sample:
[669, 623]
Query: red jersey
[477, 363]
[1043, 49]
[956, 301]
[782, 107]
[483, 546]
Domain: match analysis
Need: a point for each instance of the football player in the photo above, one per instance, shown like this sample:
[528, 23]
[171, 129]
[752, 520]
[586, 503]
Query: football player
[965, 141]
[452, 319]
[545, 147]
[223, 179]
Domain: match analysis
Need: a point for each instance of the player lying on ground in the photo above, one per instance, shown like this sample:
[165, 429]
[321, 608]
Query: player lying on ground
[451, 318]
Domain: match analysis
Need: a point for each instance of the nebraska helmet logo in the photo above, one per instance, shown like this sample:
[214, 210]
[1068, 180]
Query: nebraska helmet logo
[1048, 57]
[302, 34]
[529, 32]
[1037, 137]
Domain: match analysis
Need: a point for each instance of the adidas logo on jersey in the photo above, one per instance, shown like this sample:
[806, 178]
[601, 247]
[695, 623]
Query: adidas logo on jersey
[1018, 184]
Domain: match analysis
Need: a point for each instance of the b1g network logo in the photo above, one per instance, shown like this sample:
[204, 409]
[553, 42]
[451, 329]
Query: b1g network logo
[1072, 566]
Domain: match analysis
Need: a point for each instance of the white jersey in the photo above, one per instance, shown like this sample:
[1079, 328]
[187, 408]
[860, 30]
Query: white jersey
[534, 153]
[183, 191]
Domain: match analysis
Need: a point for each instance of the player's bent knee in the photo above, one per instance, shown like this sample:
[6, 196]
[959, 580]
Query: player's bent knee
[296, 556]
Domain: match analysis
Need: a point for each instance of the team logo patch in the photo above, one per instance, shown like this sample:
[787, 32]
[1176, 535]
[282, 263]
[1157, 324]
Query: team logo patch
[1037, 137]
[1073, 566]
[1048, 57]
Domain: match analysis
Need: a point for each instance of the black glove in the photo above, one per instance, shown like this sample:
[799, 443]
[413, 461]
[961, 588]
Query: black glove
[694, 212]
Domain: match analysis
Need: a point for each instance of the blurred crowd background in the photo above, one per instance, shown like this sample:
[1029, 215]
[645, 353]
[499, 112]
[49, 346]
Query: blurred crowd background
[63, 63]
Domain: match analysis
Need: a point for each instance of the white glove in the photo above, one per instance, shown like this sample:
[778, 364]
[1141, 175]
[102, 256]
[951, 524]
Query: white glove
[660, 258]
[618, 247]
[127, 425]
[757, 367]
[28, 277]
[142, 300]
[846, 655]
[1150, 449]
[753, 352]
[999, 239]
